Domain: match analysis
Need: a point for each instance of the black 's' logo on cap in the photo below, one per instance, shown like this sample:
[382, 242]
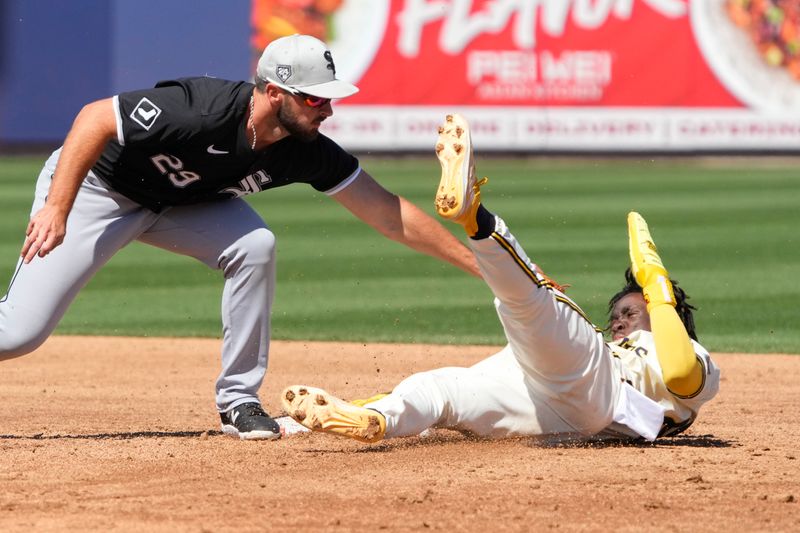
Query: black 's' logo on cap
[329, 59]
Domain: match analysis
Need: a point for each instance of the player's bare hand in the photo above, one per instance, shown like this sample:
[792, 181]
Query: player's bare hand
[45, 231]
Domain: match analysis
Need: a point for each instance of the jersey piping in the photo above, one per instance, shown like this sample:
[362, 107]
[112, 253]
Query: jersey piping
[118, 120]
[508, 247]
[346, 183]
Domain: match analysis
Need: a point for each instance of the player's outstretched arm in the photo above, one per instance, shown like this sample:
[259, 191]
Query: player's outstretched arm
[94, 126]
[682, 372]
[400, 220]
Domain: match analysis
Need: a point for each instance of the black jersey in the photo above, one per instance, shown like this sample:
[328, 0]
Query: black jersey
[185, 141]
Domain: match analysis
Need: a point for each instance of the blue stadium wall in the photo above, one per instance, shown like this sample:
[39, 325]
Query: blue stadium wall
[57, 55]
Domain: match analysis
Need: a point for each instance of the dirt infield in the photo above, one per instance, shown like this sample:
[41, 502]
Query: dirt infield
[121, 434]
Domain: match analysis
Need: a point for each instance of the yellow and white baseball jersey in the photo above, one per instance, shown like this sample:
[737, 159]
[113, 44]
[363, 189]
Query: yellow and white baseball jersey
[636, 363]
[557, 377]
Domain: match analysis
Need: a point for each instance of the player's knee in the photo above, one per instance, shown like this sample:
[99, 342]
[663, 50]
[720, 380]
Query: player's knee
[259, 246]
[16, 342]
[254, 249]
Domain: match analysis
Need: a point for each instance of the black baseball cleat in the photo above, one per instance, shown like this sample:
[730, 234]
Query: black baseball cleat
[248, 421]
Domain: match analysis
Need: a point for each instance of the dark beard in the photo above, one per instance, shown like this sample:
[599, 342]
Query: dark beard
[290, 123]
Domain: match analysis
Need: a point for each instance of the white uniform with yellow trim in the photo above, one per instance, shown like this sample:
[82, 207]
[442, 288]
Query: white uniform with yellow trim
[636, 363]
[556, 376]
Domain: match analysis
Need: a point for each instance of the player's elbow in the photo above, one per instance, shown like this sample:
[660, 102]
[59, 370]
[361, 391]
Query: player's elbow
[391, 225]
[677, 370]
[684, 379]
[394, 232]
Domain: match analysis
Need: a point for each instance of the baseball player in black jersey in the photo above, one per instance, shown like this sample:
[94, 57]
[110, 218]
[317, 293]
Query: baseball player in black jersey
[168, 166]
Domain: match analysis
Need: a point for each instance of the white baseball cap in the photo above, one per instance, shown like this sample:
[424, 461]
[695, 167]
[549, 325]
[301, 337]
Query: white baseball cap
[302, 63]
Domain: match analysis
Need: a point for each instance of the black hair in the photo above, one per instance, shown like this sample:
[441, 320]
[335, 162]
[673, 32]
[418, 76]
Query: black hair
[261, 84]
[683, 308]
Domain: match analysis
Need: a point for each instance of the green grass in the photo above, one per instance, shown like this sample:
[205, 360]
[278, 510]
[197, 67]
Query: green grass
[727, 231]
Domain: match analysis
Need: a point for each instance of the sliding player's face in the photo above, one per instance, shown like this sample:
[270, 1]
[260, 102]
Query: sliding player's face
[628, 315]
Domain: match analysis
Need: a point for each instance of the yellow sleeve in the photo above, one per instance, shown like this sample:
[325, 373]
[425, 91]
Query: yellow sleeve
[682, 371]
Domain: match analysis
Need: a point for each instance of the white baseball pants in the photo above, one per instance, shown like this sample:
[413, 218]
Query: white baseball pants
[555, 376]
[227, 235]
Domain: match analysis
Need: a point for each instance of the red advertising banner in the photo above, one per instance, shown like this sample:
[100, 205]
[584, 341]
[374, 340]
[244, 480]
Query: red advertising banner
[560, 74]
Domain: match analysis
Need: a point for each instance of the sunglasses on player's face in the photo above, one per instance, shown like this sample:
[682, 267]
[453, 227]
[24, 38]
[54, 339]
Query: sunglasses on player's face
[310, 100]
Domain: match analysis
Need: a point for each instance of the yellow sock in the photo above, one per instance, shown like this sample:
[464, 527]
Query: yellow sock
[361, 402]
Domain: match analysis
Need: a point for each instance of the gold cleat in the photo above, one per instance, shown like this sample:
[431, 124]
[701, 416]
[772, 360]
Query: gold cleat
[458, 196]
[646, 265]
[319, 411]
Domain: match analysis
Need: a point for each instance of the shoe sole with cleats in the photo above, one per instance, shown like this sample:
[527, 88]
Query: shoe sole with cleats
[319, 411]
[454, 150]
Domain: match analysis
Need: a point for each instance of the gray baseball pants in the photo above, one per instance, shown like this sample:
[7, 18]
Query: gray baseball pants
[227, 235]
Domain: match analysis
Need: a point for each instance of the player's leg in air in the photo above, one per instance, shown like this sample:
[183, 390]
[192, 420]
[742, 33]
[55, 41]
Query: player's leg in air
[554, 377]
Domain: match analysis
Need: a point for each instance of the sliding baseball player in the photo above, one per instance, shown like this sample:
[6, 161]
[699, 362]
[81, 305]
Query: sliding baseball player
[557, 376]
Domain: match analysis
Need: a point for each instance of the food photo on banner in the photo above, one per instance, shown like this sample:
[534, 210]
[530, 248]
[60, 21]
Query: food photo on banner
[615, 75]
